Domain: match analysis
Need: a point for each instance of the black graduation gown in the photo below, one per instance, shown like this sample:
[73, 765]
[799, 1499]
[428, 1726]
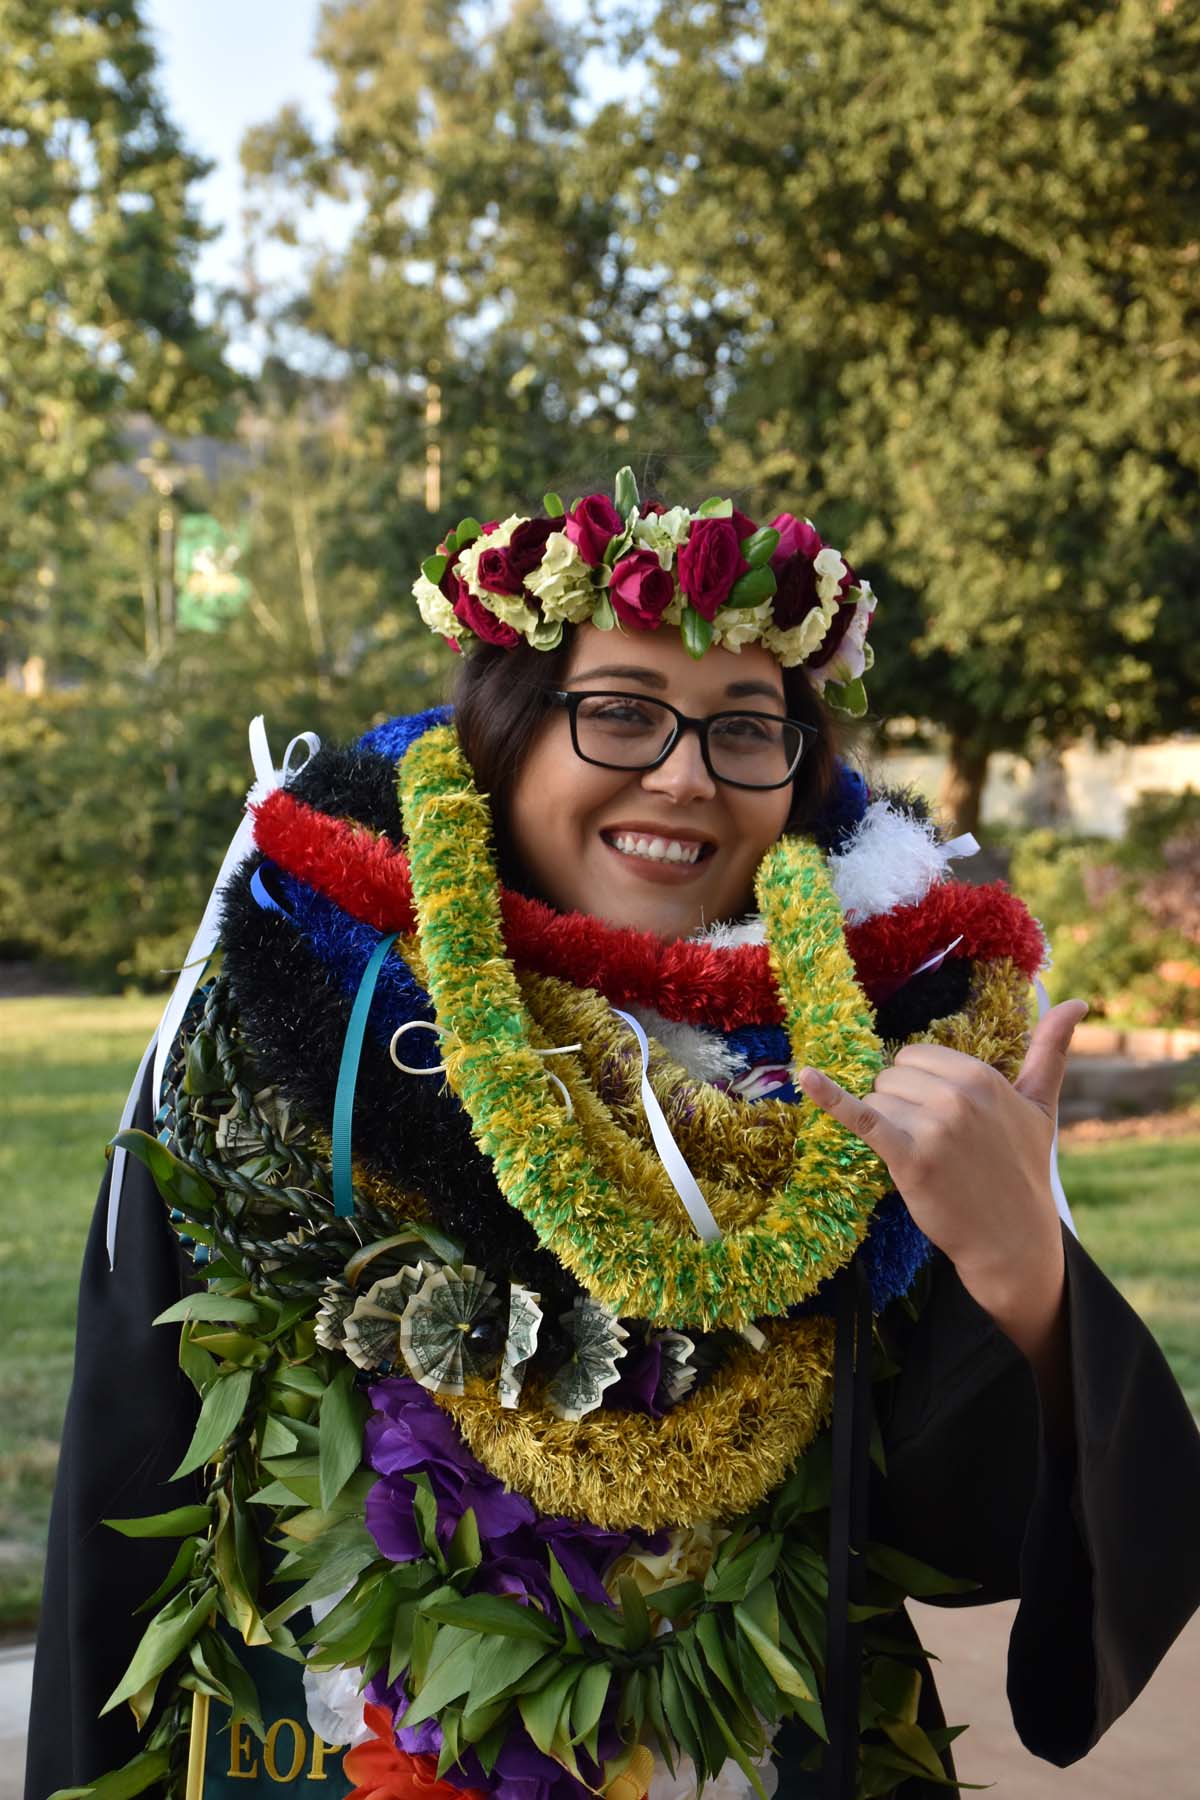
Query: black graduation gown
[1104, 1554]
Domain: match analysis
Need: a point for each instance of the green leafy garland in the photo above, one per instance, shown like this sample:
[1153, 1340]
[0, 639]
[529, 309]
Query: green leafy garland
[280, 1431]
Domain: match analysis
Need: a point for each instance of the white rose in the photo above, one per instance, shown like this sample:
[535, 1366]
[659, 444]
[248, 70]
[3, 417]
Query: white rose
[333, 1698]
[687, 1557]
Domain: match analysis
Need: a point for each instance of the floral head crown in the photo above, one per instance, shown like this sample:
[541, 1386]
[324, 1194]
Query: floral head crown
[620, 565]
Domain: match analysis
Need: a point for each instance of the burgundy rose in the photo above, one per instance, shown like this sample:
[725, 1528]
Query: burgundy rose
[795, 577]
[742, 525]
[641, 590]
[795, 592]
[527, 544]
[590, 526]
[484, 624]
[709, 564]
[653, 509]
[494, 571]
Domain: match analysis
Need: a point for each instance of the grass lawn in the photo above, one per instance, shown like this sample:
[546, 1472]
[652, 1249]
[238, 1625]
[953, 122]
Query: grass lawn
[1136, 1204]
[65, 1067]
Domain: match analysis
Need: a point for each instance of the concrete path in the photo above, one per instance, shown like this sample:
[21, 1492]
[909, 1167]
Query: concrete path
[1153, 1750]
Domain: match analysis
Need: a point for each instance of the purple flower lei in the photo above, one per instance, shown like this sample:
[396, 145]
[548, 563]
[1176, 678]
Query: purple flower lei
[408, 1435]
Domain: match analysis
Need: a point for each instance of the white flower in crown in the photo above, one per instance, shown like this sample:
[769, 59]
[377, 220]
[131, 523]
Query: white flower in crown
[797, 644]
[435, 609]
[663, 533]
[562, 581]
[735, 626]
[829, 570]
[854, 655]
[673, 611]
[514, 611]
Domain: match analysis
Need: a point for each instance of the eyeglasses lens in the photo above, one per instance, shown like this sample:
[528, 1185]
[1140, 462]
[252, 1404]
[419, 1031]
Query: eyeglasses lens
[629, 732]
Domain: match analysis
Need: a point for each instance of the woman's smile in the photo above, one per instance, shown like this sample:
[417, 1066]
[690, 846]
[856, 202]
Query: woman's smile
[663, 853]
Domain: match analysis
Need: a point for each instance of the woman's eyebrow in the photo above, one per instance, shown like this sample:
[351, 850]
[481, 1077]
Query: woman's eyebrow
[739, 690]
[736, 690]
[650, 676]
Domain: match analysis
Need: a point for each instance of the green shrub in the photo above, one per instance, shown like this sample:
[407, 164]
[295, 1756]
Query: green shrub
[1123, 918]
[117, 804]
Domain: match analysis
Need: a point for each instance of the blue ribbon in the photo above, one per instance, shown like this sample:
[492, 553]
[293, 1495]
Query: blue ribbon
[347, 1081]
[263, 895]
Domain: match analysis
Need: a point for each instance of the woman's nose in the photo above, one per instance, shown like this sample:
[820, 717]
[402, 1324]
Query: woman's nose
[682, 776]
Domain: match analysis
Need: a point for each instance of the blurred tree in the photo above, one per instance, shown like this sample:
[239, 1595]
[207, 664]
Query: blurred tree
[98, 236]
[955, 255]
[483, 307]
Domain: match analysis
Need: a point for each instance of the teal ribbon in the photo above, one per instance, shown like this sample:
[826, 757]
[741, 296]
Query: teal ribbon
[347, 1081]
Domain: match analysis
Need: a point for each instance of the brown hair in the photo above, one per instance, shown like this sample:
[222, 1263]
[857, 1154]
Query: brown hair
[500, 706]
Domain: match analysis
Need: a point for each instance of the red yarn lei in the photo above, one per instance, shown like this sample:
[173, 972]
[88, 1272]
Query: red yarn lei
[688, 981]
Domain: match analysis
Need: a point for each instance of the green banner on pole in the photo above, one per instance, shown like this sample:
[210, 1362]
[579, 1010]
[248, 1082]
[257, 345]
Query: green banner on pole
[208, 582]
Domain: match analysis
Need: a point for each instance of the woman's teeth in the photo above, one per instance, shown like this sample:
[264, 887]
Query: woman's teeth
[656, 849]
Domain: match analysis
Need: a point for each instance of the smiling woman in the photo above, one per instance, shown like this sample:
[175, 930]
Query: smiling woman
[608, 1119]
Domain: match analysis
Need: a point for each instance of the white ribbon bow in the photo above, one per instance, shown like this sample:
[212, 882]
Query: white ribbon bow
[266, 778]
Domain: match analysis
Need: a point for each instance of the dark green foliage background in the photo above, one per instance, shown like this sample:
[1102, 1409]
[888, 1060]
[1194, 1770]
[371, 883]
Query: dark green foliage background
[927, 273]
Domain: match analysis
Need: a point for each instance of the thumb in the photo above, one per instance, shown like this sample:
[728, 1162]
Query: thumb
[1045, 1064]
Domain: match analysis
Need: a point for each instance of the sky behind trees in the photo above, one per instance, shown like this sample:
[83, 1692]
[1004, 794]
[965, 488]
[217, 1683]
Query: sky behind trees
[231, 64]
[227, 65]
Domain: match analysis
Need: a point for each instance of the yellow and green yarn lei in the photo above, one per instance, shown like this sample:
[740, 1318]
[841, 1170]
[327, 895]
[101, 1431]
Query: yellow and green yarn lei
[591, 1221]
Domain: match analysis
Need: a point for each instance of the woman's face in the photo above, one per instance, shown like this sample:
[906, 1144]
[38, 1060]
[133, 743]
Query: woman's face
[566, 816]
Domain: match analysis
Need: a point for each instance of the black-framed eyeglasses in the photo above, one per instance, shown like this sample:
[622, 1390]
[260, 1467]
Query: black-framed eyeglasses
[744, 749]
